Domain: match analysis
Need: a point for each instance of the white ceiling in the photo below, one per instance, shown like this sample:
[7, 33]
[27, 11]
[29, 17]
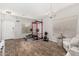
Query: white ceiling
[33, 10]
[59, 6]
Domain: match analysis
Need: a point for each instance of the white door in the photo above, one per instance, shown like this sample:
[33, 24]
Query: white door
[8, 29]
[18, 29]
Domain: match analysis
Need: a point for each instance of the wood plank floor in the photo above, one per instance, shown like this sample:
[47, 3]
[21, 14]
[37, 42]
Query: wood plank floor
[20, 47]
[0, 53]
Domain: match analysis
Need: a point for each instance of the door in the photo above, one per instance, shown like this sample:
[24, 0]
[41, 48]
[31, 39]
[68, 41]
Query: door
[18, 29]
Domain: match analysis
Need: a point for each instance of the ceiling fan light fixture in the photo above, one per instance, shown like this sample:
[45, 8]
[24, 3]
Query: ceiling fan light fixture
[8, 12]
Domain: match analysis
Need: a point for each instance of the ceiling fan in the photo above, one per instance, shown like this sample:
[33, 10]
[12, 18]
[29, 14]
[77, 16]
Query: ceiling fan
[50, 14]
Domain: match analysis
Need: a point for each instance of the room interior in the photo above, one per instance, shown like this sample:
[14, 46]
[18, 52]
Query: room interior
[39, 29]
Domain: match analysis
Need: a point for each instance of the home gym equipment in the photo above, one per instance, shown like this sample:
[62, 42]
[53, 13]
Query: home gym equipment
[28, 37]
[37, 30]
[45, 37]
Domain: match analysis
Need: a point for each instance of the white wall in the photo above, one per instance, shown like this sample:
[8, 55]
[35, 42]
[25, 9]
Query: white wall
[8, 24]
[12, 27]
[67, 26]
[48, 27]
[0, 26]
[69, 12]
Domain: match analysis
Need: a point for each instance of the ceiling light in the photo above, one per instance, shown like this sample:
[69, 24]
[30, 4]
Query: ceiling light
[8, 12]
